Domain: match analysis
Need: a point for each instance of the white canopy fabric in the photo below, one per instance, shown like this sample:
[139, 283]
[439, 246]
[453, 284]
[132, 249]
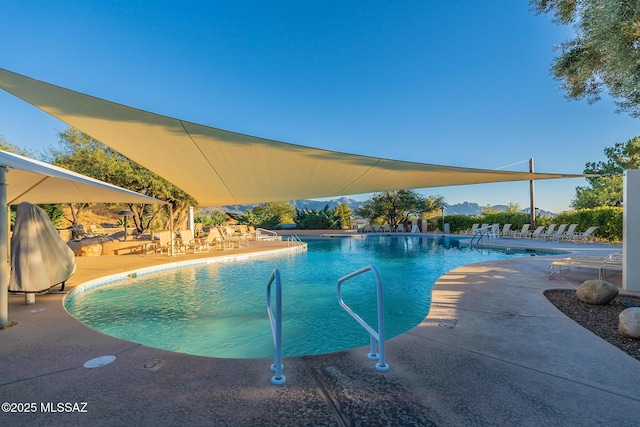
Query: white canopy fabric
[30, 180]
[38, 182]
[219, 167]
[24, 179]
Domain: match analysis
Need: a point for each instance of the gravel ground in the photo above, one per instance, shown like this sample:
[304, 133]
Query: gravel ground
[602, 320]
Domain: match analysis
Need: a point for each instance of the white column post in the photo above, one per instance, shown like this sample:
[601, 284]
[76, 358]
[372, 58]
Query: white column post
[631, 231]
[4, 251]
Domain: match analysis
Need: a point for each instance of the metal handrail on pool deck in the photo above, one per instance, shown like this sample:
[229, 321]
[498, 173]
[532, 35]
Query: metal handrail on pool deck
[482, 231]
[276, 328]
[373, 335]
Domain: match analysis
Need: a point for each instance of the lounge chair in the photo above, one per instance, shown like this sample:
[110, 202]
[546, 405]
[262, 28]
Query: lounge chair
[230, 235]
[473, 229]
[377, 229]
[550, 231]
[95, 231]
[521, 233]
[216, 235]
[567, 234]
[559, 231]
[163, 242]
[585, 236]
[400, 228]
[602, 263]
[387, 228]
[506, 230]
[537, 232]
[211, 240]
[188, 241]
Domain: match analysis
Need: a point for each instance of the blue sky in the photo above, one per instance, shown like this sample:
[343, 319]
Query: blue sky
[463, 83]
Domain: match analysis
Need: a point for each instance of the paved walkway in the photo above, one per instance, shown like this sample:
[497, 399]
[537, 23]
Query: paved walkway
[493, 351]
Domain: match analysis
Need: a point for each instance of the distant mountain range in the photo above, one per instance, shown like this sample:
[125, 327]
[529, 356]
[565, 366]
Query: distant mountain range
[466, 208]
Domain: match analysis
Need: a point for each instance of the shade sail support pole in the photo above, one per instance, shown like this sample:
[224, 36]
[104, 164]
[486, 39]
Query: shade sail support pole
[532, 197]
[4, 250]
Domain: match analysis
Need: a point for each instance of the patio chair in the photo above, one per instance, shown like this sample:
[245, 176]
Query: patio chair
[377, 229]
[602, 263]
[585, 236]
[367, 229]
[400, 228]
[95, 231]
[550, 231]
[521, 233]
[557, 232]
[162, 242]
[535, 234]
[387, 228]
[506, 230]
[188, 241]
[216, 235]
[567, 234]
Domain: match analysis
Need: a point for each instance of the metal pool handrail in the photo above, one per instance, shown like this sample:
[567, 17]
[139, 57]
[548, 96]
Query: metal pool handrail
[276, 327]
[294, 240]
[269, 234]
[482, 231]
[373, 335]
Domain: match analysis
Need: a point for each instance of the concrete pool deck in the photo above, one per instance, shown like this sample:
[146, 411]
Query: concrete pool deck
[492, 351]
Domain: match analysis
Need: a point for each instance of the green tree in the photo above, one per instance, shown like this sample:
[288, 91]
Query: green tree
[606, 190]
[12, 148]
[396, 207]
[513, 207]
[81, 153]
[284, 210]
[54, 211]
[312, 219]
[488, 210]
[605, 52]
[344, 212]
[268, 215]
[215, 219]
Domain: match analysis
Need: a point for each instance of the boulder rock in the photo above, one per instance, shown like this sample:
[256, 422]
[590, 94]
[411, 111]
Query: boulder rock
[629, 323]
[597, 292]
[89, 246]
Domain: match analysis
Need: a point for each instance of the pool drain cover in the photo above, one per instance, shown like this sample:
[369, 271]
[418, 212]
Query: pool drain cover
[97, 362]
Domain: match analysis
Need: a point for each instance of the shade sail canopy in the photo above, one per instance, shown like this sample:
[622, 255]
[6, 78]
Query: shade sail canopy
[27, 180]
[219, 167]
[37, 182]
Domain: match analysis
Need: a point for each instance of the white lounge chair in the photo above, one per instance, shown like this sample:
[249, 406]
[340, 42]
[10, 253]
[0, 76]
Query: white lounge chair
[550, 231]
[189, 242]
[521, 233]
[537, 232]
[585, 236]
[473, 229]
[567, 234]
[559, 231]
[602, 263]
[506, 230]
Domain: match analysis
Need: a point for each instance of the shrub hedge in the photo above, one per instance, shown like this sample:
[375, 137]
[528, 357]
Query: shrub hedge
[607, 219]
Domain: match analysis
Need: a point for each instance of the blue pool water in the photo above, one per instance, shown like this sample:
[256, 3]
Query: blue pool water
[219, 309]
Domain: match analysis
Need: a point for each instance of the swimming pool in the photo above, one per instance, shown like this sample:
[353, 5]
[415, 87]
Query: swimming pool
[219, 309]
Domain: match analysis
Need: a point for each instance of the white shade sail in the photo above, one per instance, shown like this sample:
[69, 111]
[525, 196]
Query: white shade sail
[37, 182]
[219, 167]
[27, 180]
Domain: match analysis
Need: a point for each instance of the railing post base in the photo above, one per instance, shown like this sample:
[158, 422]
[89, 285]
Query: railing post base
[382, 368]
